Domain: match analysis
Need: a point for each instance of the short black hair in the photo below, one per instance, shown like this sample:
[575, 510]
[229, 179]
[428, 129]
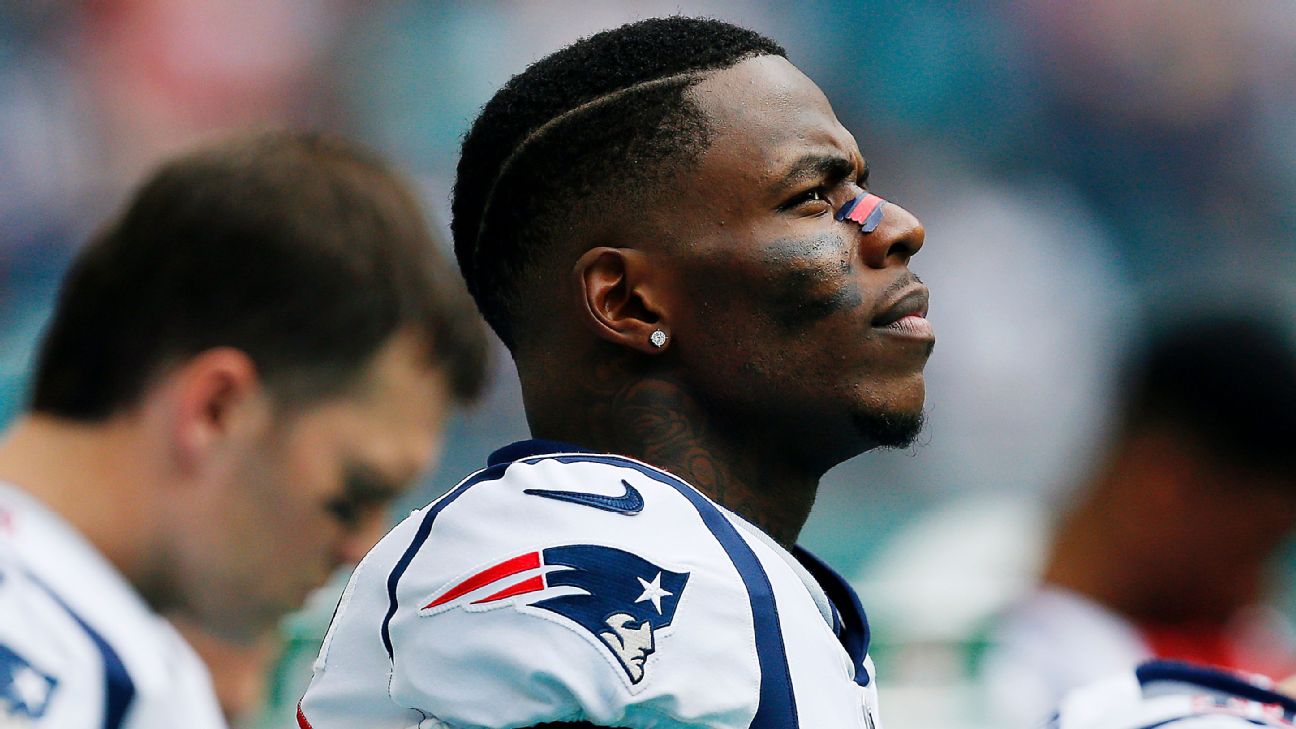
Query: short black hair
[301, 249]
[592, 125]
[1226, 378]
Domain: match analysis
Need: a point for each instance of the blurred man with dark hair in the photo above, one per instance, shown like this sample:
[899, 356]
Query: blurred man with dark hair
[672, 232]
[1164, 552]
[243, 369]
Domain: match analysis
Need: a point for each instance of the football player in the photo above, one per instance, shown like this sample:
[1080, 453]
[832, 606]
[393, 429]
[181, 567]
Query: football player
[708, 308]
[242, 370]
[1165, 547]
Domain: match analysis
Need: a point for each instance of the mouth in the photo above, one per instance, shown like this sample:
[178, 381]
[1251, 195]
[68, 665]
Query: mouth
[907, 315]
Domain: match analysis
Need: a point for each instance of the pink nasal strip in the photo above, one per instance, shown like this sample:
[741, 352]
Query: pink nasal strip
[865, 210]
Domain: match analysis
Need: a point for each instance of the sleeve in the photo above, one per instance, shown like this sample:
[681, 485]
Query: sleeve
[574, 591]
[47, 676]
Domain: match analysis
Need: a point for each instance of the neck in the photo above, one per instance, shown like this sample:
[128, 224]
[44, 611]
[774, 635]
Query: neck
[93, 476]
[653, 418]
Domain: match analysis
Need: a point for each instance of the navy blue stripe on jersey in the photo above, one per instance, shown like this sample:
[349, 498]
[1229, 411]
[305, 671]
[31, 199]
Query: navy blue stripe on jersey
[1168, 722]
[492, 473]
[854, 631]
[777, 709]
[119, 689]
[1214, 680]
[1165, 722]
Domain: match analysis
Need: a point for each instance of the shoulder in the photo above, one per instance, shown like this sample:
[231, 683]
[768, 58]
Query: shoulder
[48, 664]
[1169, 694]
[80, 648]
[558, 506]
[1047, 643]
[560, 587]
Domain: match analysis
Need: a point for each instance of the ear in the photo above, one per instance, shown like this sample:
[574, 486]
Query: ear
[213, 396]
[619, 302]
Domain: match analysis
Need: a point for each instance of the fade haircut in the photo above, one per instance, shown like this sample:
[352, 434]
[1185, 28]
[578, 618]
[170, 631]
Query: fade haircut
[300, 249]
[597, 125]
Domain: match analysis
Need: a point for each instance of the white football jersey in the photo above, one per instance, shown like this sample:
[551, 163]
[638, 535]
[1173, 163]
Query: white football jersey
[79, 648]
[1172, 695]
[560, 585]
[1048, 643]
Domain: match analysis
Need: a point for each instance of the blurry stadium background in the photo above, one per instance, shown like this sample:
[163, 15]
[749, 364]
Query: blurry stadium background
[1076, 164]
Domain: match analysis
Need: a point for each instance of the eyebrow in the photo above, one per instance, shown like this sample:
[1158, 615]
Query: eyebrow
[815, 167]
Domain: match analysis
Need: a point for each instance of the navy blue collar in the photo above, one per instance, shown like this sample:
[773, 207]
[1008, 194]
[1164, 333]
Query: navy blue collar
[528, 448]
[1214, 679]
[853, 631]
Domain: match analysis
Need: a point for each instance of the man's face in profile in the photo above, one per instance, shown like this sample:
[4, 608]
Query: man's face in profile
[632, 641]
[783, 312]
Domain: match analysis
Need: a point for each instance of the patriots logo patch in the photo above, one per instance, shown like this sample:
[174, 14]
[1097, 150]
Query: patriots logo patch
[619, 597]
[25, 691]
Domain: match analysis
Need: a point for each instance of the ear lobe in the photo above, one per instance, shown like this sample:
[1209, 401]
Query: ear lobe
[618, 302]
[215, 396]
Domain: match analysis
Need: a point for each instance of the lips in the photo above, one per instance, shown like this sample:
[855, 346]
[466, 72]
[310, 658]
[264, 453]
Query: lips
[913, 303]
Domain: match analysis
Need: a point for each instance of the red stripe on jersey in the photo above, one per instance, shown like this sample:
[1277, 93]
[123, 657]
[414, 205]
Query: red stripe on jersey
[533, 584]
[528, 561]
[301, 718]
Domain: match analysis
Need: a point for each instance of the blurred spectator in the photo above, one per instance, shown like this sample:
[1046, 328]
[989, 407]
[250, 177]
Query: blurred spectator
[1164, 551]
[244, 368]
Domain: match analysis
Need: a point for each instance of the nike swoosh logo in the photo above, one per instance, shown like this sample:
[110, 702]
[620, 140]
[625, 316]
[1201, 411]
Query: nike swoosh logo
[629, 503]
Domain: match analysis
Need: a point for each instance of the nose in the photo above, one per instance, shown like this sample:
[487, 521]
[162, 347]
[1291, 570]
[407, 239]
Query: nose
[896, 239]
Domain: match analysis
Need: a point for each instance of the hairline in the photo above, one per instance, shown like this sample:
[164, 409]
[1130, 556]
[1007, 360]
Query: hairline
[690, 79]
[572, 113]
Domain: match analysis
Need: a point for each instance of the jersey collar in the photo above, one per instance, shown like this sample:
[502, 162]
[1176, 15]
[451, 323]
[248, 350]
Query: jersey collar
[528, 448]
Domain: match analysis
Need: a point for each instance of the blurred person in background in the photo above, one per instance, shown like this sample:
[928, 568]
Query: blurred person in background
[243, 369]
[1164, 552]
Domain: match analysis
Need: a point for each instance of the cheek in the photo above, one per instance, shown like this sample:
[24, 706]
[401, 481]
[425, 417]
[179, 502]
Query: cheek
[807, 320]
[809, 291]
[795, 283]
[300, 485]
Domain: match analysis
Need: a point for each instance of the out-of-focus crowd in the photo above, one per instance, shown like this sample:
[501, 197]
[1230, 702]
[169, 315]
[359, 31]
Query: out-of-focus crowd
[1080, 167]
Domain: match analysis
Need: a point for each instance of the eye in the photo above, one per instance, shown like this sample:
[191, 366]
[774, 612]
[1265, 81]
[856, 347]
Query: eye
[345, 510]
[815, 195]
[365, 492]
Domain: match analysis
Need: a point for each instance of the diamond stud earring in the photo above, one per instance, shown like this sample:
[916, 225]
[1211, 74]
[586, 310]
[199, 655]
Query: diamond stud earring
[658, 338]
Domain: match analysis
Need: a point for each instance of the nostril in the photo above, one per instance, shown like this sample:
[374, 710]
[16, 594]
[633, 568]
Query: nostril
[901, 249]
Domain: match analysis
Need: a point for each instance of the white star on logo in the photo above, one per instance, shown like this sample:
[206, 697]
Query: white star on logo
[30, 688]
[653, 591]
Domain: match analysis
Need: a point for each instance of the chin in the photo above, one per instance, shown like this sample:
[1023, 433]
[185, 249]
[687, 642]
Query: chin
[889, 412]
[889, 428]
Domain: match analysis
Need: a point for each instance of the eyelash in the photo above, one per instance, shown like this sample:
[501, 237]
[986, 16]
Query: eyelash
[820, 194]
[816, 195]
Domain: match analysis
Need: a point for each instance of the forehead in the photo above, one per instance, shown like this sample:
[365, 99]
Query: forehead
[392, 420]
[766, 116]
